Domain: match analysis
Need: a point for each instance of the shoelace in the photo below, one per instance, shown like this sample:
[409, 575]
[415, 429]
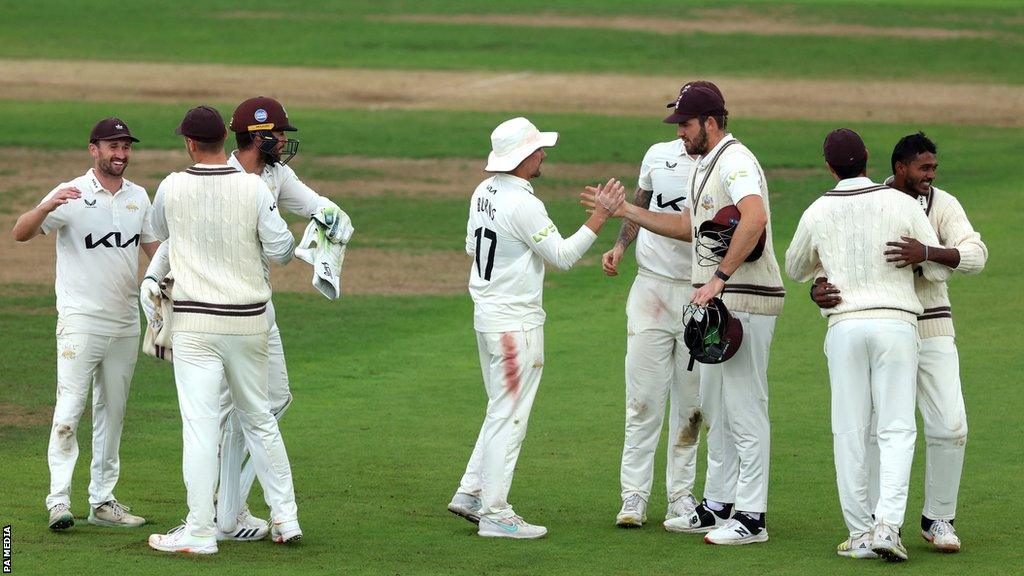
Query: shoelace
[118, 509]
[632, 503]
[942, 528]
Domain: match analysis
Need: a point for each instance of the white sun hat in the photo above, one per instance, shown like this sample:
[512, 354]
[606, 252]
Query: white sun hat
[513, 140]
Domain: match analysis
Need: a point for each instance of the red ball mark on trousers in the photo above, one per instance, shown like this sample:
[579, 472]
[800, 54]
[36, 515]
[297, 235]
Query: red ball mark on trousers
[511, 363]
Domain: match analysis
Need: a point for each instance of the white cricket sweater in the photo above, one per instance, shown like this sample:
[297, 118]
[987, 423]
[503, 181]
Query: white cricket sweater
[845, 233]
[954, 230]
[219, 222]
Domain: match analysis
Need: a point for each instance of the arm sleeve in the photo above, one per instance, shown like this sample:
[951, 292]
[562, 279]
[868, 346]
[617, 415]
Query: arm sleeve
[531, 224]
[298, 198]
[470, 238]
[644, 181]
[278, 242]
[740, 176]
[955, 231]
[59, 217]
[157, 219]
[147, 221]
[802, 260]
[922, 230]
[160, 264]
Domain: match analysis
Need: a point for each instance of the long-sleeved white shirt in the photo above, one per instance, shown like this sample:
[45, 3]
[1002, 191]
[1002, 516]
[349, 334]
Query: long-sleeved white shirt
[510, 236]
[845, 233]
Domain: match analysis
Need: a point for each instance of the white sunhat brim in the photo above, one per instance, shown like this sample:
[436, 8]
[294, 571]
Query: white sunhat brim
[511, 159]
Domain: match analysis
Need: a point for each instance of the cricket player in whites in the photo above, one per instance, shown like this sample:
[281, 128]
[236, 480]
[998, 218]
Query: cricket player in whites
[510, 238]
[872, 340]
[100, 218]
[260, 125]
[734, 394]
[220, 326]
[656, 357]
[939, 396]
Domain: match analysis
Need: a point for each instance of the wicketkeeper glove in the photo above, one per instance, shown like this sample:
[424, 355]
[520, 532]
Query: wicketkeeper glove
[149, 296]
[336, 223]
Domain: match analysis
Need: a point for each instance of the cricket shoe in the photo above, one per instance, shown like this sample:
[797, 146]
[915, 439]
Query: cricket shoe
[61, 517]
[886, 543]
[180, 539]
[514, 527]
[942, 535]
[248, 528]
[701, 519]
[467, 506]
[285, 532]
[740, 529]
[857, 547]
[633, 513]
[113, 513]
[681, 507]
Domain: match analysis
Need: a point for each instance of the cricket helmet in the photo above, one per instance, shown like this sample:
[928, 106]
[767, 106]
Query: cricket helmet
[260, 117]
[714, 236]
[711, 334]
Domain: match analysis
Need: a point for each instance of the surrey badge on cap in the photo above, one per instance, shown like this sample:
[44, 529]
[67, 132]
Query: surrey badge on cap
[111, 129]
[844, 147]
[513, 140]
[698, 98]
[202, 124]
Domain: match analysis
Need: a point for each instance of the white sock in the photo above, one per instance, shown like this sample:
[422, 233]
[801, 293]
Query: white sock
[716, 506]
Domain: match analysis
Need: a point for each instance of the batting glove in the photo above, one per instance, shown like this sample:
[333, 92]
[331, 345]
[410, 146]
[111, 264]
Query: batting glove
[337, 225]
[149, 296]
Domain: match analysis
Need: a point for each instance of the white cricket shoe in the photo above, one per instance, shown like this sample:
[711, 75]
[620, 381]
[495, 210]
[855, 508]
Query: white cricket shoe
[514, 527]
[113, 513]
[943, 536]
[633, 513]
[886, 543]
[701, 519]
[180, 539]
[857, 547]
[467, 506]
[285, 532]
[248, 528]
[681, 507]
[61, 517]
[740, 529]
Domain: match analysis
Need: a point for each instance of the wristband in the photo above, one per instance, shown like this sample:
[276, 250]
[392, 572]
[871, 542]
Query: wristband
[722, 276]
[926, 253]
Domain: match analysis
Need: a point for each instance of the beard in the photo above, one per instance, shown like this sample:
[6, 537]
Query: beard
[699, 146]
[107, 167]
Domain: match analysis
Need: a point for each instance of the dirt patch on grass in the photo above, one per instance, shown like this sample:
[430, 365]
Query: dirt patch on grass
[20, 416]
[712, 21]
[609, 94]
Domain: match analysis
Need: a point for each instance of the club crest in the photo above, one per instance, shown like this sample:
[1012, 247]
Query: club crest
[706, 202]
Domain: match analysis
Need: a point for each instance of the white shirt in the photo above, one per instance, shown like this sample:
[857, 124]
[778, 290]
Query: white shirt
[291, 193]
[98, 238]
[665, 171]
[739, 173]
[510, 236]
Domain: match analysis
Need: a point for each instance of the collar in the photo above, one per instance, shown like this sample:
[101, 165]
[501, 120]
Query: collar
[856, 182]
[234, 163]
[510, 180]
[94, 183]
[705, 159]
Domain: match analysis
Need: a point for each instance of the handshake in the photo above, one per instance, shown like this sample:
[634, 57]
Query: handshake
[608, 199]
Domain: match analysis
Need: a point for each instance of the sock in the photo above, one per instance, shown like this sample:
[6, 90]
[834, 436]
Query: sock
[753, 521]
[716, 506]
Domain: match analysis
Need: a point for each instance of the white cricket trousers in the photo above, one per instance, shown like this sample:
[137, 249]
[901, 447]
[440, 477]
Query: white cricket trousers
[201, 363]
[940, 400]
[105, 364]
[512, 363]
[235, 479]
[872, 365]
[734, 400]
[656, 361]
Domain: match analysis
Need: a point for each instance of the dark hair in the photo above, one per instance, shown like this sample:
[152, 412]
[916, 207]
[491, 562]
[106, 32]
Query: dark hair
[850, 170]
[722, 120]
[243, 140]
[909, 147]
[210, 147]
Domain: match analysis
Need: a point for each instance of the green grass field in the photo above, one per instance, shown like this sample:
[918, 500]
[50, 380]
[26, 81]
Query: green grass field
[388, 395]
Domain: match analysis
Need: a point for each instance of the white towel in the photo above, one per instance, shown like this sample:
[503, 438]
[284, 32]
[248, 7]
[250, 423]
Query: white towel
[157, 341]
[326, 258]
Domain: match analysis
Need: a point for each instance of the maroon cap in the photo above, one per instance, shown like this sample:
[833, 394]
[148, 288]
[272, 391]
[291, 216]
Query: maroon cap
[111, 129]
[698, 98]
[260, 113]
[844, 147]
[202, 124]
